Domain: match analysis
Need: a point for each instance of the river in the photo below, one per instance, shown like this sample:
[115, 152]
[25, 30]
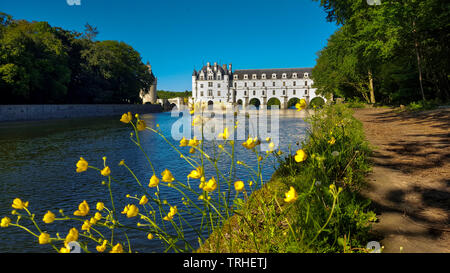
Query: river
[37, 164]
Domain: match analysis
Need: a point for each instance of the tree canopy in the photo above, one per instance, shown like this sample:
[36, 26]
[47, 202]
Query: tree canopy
[394, 52]
[44, 64]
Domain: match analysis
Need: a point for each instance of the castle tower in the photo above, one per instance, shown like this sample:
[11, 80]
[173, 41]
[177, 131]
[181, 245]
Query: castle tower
[150, 95]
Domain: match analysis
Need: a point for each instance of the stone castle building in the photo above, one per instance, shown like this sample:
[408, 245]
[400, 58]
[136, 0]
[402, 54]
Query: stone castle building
[220, 84]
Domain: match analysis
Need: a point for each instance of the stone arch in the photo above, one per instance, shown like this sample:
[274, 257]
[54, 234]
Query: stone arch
[210, 102]
[292, 101]
[273, 101]
[255, 101]
[239, 102]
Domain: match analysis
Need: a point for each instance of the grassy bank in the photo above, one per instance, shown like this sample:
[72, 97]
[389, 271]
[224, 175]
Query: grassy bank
[328, 215]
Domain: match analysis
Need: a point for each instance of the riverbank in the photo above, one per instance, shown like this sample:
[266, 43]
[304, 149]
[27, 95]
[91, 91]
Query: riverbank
[28, 112]
[327, 214]
[410, 182]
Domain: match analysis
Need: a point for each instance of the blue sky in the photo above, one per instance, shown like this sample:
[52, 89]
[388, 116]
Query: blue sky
[178, 35]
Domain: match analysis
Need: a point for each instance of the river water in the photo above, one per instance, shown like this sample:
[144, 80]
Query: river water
[37, 164]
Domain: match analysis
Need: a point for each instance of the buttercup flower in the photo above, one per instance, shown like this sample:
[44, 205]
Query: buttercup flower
[82, 165]
[239, 185]
[143, 200]
[117, 249]
[300, 156]
[301, 105]
[131, 211]
[83, 209]
[44, 238]
[141, 125]
[18, 204]
[211, 185]
[64, 250]
[193, 142]
[102, 247]
[150, 236]
[225, 134]
[86, 225]
[97, 216]
[251, 143]
[126, 118]
[154, 181]
[291, 195]
[106, 171]
[184, 142]
[49, 217]
[332, 141]
[171, 214]
[5, 222]
[271, 147]
[100, 206]
[196, 174]
[167, 176]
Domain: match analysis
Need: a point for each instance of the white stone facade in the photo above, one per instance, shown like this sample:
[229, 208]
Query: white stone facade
[220, 84]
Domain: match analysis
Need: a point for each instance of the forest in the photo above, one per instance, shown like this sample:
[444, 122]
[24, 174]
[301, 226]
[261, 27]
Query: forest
[41, 64]
[386, 52]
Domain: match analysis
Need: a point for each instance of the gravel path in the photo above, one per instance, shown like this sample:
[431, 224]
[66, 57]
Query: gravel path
[410, 182]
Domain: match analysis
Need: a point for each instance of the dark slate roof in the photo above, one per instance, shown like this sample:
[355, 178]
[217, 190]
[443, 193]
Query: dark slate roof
[219, 68]
[269, 72]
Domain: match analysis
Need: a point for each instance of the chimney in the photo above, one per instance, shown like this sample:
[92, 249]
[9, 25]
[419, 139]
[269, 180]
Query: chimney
[208, 64]
[229, 68]
[215, 66]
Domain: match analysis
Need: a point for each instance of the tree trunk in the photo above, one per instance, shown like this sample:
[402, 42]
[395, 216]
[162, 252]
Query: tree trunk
[416, 46]
[372, 92]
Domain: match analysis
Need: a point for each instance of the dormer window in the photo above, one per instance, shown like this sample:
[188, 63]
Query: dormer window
[219, 77]
[245, 77]
[263, 76]
[202, 77]
[294, 75]
[274, 76]
[236, 77]
[254, 76]
[283, 76]
[306, 75]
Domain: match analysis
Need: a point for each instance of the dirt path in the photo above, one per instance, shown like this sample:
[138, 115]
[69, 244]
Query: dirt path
[410, 182]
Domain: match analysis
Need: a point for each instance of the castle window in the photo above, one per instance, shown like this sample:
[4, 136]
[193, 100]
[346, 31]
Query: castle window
[306, 92]
[306, 83]
[218, 93]
[245, 77]
[273, 92]
[294, 75]
[263, 92]
[201, 85]
[218, 85]
[201, 93]
[284, 76]
[254, 76]
[210, 84]
[294, 83]
[254, 84]
[245, 84]
[293, 92]
[263, 84]
[284, 83]
[210, 93]
[236, 77]
[284, 92]
[254, 93]
[219, 77]
[273, 83]
[245, 93]
[274, 76]
[235, 84]
[202, 78]
[263, 76]
[306, 75]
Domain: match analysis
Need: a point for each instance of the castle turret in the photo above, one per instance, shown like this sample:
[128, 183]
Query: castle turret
[150, 95]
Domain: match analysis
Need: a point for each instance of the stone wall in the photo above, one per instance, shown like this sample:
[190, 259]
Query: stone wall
[61, 111]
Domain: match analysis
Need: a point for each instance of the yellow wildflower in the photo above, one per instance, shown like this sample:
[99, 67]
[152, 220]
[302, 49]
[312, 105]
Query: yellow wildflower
[82, 165]
[193, 142]
[97, 216]
[126, 118]
[300, 156]
[196, 174]
[301, 105]
[211, 185]
[86, 225]
[167, 176]
[141, 125]
[251, 143]
[5, 222]
[64, 250]
[184, 142]
[72, 236]
[18, 204]
[49, 217]
[150, 236]
[83, 209]
[332, 141]
[44, 238]
[131, 211]
[117, 249]
[154, 181]
[225, 135]
[192, 150]
[102, 247]
[122, 162]
[171, 214]
[143, 200]
[106, 171]
[271, 147]
[100, 206]
[291, 195]
[239, 185]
